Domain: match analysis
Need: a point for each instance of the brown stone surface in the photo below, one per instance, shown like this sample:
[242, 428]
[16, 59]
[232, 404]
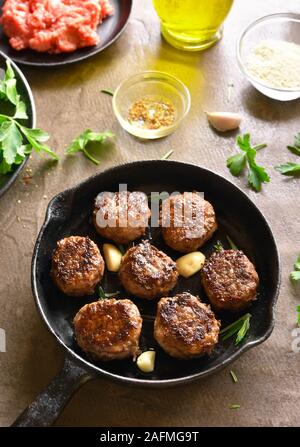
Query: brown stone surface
[68, 101]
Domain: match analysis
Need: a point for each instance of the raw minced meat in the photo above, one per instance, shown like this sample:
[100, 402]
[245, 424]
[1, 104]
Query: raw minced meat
[53, 26]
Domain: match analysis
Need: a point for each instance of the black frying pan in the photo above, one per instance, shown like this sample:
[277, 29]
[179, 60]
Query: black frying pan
[69, 213]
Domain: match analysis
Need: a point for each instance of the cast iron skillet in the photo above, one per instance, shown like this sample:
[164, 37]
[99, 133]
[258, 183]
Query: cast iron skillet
[24, 89]
[109, 31]
[69, 213]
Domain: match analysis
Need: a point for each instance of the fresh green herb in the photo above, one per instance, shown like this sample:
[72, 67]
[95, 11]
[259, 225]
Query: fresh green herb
[107, 92]
[289, 168]
[234, 376]
[121, 248]
[167, 155]
[239, 327]
[231, 243]
[79, 144]
[103, 295]
[234, 406]
[295, 274]
[296, 147]
[237, 163]
[298, 315]
[218, 246]
[16, 140]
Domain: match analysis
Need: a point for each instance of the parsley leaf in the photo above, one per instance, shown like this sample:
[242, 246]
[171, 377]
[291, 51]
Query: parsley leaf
[11, 139]
[243, 141]
[16, 140]
[11, 90]
[9, 74]
[257, 174]
[237, 163]
[79, 144]
[295, 275]
[20, 112]
[298, 315]
[296, 147]
[239, 327]
[36, 138]
[289, 168]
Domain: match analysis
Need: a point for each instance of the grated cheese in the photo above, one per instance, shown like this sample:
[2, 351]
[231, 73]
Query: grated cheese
[276, 63]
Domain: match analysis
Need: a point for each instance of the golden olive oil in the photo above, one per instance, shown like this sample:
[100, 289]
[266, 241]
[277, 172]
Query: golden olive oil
[192, 24]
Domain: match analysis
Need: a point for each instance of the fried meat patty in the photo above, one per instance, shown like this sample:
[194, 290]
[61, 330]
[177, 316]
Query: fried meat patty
[108, 329]
[147, 272]
[121, 216]
[77, 265]
[230, 280]
[187, 221]
[185, 327]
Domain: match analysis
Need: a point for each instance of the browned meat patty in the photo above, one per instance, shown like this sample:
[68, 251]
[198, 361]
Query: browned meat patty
[187, 221]
[121, 217]
[184, 327]
[230, 280]
[109, 329]
[147, 272]
[77, 265]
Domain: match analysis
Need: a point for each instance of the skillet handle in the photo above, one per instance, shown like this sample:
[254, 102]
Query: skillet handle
[48, 405]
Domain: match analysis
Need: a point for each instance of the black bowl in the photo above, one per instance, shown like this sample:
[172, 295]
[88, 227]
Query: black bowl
[69, 213]
[109, 31]
[24, 89]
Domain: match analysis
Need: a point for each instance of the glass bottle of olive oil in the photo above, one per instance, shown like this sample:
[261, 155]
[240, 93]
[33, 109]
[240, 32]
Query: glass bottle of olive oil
[192, 24]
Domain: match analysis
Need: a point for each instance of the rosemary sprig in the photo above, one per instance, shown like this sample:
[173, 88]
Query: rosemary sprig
[231, 243]
[240, 327]
[167, 155]
[107, 92]
[104, 295]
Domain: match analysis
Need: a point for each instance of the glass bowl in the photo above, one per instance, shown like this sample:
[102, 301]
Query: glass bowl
[153, 84]
[280, 26]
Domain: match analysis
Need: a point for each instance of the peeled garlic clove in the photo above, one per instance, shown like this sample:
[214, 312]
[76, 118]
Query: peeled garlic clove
[224, 121]
[145, 361]
[112, 256]
[190, 264]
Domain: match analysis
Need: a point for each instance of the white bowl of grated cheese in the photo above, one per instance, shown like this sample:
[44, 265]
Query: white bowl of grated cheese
[268, 53]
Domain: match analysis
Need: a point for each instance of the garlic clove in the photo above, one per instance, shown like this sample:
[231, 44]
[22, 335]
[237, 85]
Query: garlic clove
[224, 121]
[146, 361]
[190, 263]
[112, 256]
